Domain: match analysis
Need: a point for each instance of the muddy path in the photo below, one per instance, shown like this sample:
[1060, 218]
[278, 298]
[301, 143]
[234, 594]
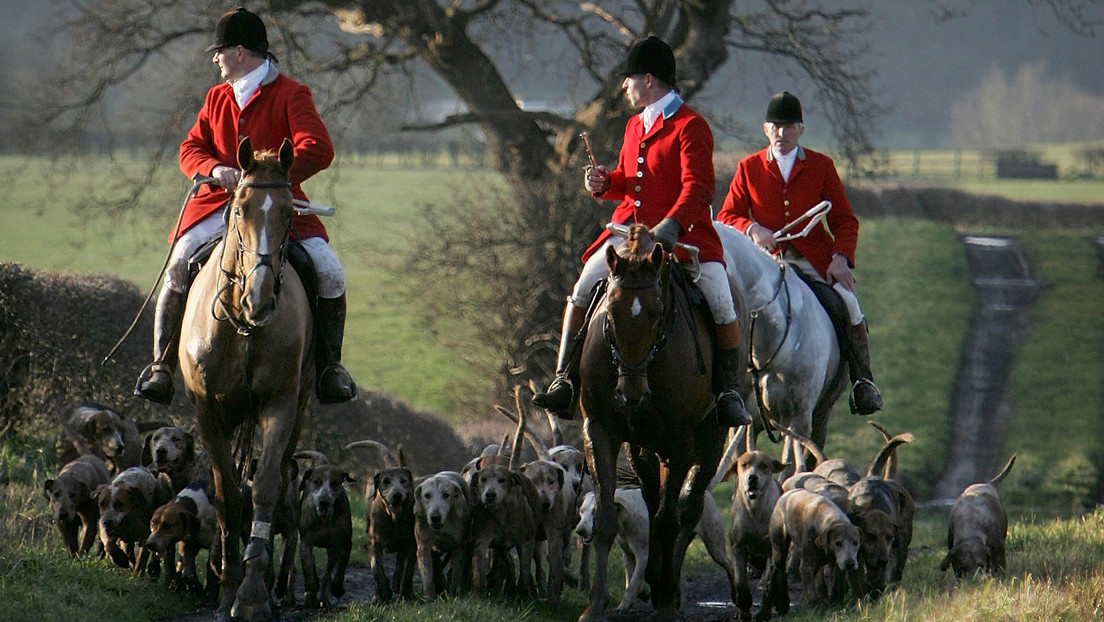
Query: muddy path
[979, 406]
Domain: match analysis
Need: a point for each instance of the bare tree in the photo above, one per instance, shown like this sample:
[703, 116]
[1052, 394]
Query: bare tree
[519, 248]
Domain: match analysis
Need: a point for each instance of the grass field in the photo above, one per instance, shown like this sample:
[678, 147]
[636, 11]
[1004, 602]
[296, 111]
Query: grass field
[915, 290]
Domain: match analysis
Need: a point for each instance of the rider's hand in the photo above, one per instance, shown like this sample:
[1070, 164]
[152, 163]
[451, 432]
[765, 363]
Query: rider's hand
[840, 272]
[763, 236]
[597, 179]
[666, 233]
[227, 176]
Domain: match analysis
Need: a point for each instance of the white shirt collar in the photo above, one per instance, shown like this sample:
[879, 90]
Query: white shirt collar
[653, 110]
[247, 85]
[785, 162]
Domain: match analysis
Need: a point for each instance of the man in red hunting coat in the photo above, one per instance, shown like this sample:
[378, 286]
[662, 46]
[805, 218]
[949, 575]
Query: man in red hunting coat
[776, 186]
[258, 102]
[664, 181]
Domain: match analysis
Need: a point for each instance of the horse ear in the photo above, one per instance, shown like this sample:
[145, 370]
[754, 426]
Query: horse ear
[611, 258]
[658, 258]
[287, 155]
[245, 154]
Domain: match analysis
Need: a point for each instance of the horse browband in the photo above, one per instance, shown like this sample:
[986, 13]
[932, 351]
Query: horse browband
[266, 185]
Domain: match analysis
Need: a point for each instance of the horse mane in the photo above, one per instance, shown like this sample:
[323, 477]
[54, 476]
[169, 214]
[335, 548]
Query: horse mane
[266, 159]
[640, 242]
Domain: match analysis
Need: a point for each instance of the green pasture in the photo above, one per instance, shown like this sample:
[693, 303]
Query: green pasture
[915, 290]
[387, 345]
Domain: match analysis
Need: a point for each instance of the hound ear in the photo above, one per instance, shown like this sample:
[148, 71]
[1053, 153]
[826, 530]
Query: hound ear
[306, 478]
[560, 475]
[822, 541]
[287, 155]
[48, 488]
[778, 466]
[245, 154]
[346, 478]
[189, 445]
[730, 472]
[147, 451]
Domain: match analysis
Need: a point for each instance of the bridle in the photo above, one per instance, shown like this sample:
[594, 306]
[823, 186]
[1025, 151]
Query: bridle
[754, 314]
[663, 329]
[218, 304]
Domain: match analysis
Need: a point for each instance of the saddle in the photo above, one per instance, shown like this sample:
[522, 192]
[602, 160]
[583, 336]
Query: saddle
[833, 305]
[297, 256]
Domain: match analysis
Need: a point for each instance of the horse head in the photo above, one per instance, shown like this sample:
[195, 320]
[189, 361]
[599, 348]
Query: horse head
[636, 313]
[260, 218]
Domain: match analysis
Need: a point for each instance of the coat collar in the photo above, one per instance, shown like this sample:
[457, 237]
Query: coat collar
[800, 153]
[669, 111]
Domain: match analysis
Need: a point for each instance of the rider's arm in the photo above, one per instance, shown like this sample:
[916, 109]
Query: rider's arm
[696, 158]
[309, 137]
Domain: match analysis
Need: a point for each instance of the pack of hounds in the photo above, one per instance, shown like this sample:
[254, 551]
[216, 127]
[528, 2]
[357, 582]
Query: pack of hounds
[142, 496]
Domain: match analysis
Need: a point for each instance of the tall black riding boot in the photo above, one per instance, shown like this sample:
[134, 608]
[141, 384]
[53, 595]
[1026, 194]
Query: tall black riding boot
[155, 383]
[334, 383]
[559, 397]
[865, 396]
[731, 411]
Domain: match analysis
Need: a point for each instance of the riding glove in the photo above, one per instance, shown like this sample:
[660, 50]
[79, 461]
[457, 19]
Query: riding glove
[666, 233]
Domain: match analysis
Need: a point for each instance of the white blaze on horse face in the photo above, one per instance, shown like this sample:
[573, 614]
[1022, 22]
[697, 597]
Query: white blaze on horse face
[636, 307]
[266, 209]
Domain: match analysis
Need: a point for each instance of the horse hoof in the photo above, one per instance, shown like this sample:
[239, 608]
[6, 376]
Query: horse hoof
[590, 616]
[253, 603]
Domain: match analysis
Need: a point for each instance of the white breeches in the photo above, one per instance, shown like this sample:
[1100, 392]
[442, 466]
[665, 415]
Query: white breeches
[849, 298]
[331, 274]
[713, 283]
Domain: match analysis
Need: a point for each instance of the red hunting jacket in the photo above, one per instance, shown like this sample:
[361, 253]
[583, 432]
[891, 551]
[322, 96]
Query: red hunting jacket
[666, 173]
[281, 108]
[758, 194]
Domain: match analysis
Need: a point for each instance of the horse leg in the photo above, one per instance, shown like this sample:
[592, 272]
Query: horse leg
[665, 532]
[601, 453]
[254, 601]
[228, 505]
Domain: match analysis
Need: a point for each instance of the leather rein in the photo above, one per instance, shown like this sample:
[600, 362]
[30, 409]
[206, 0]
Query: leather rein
[625, 370]
[219, 309]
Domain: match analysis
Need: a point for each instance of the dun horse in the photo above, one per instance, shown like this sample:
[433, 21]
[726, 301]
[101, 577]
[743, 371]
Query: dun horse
[795, 355]
[246, 363]
[646, 378]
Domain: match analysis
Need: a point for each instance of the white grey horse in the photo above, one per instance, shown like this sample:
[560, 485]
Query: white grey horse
[795, 356]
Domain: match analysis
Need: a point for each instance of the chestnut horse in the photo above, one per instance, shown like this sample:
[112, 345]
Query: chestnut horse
[647, 379]
[247, 365]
